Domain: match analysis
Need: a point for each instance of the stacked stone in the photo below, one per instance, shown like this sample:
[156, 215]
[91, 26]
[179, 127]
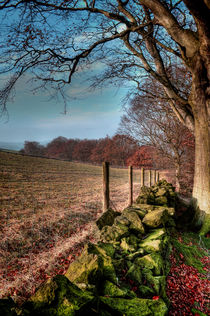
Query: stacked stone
[124, 273]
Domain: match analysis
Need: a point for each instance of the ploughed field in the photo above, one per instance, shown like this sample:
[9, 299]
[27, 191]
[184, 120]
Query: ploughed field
[48, 210]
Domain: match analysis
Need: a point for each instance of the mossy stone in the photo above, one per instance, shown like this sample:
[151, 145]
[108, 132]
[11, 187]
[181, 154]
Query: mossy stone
[122, 220]
[156, 218]
[158, 233]
[136, 254]
[126, 246]
[110, 289]
[108, 248]
[144, 190]
[146, 208]
[134, 273]
[151, 245]
[135, 222]
[114, 233]
[57, 297]
[105, 313]
[7, 307]
[146, 199]
[161, 200]
[146, 196]
[107, 219]
[170, 210]
[133, 240]
[145, 291]
[157, 283]
[160, 194]
[153, 261]
[161, 191]
[135, 306]
[108, 270]
[139, 211]
[86, 269]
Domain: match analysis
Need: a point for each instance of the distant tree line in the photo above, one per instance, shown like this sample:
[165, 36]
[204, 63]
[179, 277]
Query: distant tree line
[124, 150]
[119, 150]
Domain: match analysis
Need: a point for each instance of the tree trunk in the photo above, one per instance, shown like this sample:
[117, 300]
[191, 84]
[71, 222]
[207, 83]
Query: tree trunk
[201, 187]
[177, 175]
[200, 104]
[200, 97]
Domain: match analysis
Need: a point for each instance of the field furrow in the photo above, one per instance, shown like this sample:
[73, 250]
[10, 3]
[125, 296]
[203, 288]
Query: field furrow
[47, 212]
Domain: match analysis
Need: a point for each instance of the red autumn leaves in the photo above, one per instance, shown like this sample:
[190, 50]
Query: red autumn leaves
[186, 288]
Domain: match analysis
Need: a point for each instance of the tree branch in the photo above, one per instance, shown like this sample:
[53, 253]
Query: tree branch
[186, 39]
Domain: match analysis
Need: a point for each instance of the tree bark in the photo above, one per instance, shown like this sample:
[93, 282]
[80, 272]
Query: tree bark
[177, 174]
[201, 187]
[200, 97]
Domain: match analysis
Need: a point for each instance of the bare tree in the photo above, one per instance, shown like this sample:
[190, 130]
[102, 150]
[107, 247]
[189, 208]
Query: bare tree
[152, 122]
[54, 39]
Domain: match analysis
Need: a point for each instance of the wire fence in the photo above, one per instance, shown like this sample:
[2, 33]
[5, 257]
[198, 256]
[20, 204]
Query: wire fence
[48, 210]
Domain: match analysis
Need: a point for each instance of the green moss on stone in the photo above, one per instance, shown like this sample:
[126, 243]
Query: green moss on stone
[86, 269]
[155, 234]
[107, 219]
[108, 248]
[151, 245]
[135, 222]
[136, 254]
[153, 262]
[57, 297]
[146, 291]
[136, 306]
[110, 289]
[160, 194]
[7, 307]
[157, 283]
[122, 220]
[161, 191]
[141, 212]
[170, 210]
[105, 313]
[126, 246]
[134, 273]
[146, 208]
[156, 218]
[108, 270]
[146, 198]
[114, 233]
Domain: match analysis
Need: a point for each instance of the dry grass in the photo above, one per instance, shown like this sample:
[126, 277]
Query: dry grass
[48, 210]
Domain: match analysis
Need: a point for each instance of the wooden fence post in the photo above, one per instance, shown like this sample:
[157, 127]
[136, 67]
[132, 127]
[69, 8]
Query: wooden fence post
[142, 177]
[153, 178]
[105, 186]
[130, 175]
[158, 176]
[150, 178]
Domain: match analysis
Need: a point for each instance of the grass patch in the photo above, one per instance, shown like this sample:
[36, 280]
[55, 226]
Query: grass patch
[192, 247]
[47, 207]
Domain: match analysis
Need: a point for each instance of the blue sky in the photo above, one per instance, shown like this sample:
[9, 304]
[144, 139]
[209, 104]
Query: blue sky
[90, 114]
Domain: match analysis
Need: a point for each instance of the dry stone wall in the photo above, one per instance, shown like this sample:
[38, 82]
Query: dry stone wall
[124, 273]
